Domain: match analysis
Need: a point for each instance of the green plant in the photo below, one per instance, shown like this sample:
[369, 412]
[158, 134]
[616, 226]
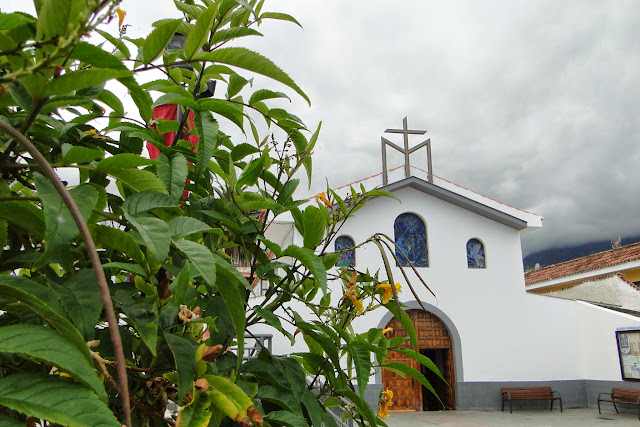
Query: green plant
[116, 301]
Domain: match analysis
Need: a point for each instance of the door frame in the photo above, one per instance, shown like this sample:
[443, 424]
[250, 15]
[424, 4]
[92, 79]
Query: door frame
[454, 336]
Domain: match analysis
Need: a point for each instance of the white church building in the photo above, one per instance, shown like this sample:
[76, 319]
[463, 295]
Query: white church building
[482, 328]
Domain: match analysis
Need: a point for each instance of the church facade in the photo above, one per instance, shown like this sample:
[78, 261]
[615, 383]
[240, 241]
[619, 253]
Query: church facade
[482, 328]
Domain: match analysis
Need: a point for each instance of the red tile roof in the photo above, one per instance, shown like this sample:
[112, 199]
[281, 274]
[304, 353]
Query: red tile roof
[588, 263]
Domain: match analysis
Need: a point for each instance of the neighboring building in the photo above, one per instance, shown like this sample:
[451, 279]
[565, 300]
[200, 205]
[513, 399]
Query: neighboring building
[483, 329]
[609, 279]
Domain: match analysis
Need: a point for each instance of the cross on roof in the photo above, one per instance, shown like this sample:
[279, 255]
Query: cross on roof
[405, 131]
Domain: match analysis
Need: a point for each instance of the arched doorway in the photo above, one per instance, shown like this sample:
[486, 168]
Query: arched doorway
[434, 341]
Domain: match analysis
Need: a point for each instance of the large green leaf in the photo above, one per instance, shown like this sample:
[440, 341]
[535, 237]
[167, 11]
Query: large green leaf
[142, 313]
[207, 128]
[314, 225]
[425, 361]
[94, 55]
[138, 180]
[311, 261]
[185, 225]
[201, 258]
[56, 399]
[405, 321]
[224, 108]
[61, 228]
[262, 94]
[24, 214]
[233, 33]
[413, 373]
[125, 266]
[159, 39]
[82, 79]
[57, 17]
[154, 233]
[199, 34]
[121, 241]
[253, 170]
[81, 300]
[362, 362]
[143, 202]
[249, 201]
[173, 173]
[50, 347]
[140, 97]
[79, 154]
[33, 296]
[280, 16]
[252, 61]
[184, 354]
[124, 161]
[197, 414]
[286, 418]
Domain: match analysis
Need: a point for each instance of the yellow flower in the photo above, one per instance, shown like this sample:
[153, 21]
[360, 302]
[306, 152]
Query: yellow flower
[121, 14]
[351, 294]
[387, 330]
[387, 293]
[90, 132]
[323, 198]
[385, 404]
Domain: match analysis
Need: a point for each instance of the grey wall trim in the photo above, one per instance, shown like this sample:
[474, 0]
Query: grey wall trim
[456, 344]
[458, 200]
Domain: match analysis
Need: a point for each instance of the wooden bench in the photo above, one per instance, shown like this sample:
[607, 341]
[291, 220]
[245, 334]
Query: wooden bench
[621, 395]
[529, 393]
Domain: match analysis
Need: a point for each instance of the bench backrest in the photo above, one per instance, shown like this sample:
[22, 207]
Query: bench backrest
[525, 392]
[625, 394]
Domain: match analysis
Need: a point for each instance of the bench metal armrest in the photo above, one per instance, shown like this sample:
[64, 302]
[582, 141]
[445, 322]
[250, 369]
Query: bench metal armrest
[604, 393]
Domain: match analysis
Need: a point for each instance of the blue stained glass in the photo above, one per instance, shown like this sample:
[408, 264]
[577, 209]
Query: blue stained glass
[347, 257]
[411, 236]
[475, 254]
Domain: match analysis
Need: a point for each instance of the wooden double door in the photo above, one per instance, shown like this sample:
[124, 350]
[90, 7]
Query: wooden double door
[435, 343]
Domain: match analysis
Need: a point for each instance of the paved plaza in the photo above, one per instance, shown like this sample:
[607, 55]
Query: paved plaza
[570, 417]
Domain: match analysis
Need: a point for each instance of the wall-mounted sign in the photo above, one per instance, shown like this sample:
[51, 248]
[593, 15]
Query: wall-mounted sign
[629, 353]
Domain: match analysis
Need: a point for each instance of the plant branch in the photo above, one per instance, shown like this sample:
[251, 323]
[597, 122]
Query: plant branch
[93, 256]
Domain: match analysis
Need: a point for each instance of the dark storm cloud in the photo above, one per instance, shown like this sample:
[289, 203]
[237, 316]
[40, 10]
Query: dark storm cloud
[531, 103]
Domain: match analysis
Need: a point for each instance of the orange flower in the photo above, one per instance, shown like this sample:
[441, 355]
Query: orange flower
[386, 331]
[387, 293]
[121, 14]
[323, 198]
[385, 404]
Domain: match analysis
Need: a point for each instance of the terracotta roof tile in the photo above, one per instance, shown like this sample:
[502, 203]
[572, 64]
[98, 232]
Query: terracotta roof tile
[588, 263]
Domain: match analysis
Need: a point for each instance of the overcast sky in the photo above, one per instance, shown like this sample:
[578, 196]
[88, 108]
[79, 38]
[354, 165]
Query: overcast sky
[533, 103]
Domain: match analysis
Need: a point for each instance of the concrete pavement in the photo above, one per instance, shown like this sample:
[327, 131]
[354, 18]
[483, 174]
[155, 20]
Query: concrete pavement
[583, 417]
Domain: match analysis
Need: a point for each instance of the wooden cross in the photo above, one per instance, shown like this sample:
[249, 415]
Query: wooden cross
[405, 131]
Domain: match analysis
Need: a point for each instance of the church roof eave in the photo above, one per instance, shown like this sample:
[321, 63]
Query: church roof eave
[458, 200]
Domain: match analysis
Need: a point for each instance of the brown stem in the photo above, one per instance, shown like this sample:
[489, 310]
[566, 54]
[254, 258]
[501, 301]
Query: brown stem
[93, 257]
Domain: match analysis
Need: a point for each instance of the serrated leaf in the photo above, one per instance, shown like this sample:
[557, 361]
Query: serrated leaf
[252, 61]
[311, 261]
[184, 226]
[249, 201]
[235, 85]
[199, 34]
[94, 55]
[140, 97]
[79, 154]
[56, 399]
[143, 202]
[207, 128]
[197, 413]
[262, 94]
[184, 354]
[158, 39]
[118, 44]
[31, 295]
[124, 266]
[80, 298]
[154, 233]
[201, 258]
[82, 79]
[52, 348]
[61, 228]
[25, 215]
[138, 180]
[253, 170]
[314, 226]
[233, 33]
[280, 16]
[57, 17]
[142, 313]
[110, 237]
[224, 108]
[362, 362]
[193, 11]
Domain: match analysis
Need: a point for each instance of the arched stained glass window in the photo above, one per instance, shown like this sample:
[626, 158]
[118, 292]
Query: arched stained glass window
[411, 236]
[475, 254]
[348, 257]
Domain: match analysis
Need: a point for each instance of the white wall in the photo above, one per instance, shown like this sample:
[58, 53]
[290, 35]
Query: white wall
[506, 334]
